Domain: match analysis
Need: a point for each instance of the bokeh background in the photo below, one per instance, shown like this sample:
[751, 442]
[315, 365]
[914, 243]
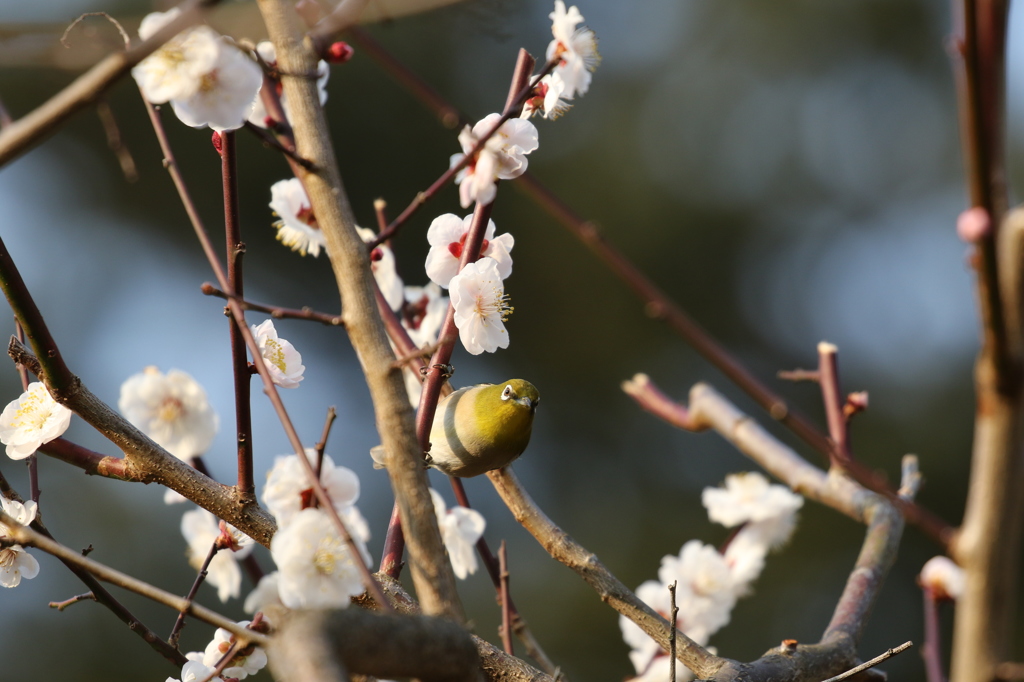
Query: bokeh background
[789, 172]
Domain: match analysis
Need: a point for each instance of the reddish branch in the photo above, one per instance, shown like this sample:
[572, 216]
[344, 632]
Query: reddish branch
[276, 312]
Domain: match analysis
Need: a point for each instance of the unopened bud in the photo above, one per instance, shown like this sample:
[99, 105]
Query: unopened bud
[218, 142]
[855, 402]
[973, 225]
[339, 52]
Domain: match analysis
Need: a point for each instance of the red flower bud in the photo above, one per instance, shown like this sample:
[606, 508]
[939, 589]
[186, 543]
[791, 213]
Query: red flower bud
[339, 52]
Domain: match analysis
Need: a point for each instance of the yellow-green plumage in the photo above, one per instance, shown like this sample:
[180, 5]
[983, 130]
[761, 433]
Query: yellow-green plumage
[480, 428]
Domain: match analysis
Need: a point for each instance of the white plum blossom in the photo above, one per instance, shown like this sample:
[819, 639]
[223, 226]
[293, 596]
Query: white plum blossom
[33, 419]
[207, 80]
[175, 70]
[575, 47]
[481, 306]
[423, 313]
[201, 529]
[264, 595]
[172, 409]
[194, 670]
[268, 54]
[749, 497]
[297, 228]
[547, 98]
[15, 562]
[447, 237]
[503, 157]
[288, 491]
[317, 571]
[382, 263]
[460, 529]
[241, 665]
[283, 362]
[225, 95]
[943, 578]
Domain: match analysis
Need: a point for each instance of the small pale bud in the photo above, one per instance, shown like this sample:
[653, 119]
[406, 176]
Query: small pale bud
[973, 225]
[942, 578]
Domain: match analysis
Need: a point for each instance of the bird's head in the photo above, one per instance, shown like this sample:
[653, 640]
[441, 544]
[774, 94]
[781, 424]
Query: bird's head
[519, 393]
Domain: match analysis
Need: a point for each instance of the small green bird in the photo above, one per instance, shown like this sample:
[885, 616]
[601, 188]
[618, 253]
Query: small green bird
[479, 428]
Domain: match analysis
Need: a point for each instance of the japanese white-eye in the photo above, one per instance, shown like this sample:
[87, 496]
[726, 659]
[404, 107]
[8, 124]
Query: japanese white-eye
[479, 428]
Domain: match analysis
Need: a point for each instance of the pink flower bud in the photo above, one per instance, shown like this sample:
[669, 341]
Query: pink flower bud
[218, 142]
[973, 225]
[339, 52]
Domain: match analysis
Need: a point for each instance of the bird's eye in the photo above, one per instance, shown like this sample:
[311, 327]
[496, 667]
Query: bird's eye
[507, 393]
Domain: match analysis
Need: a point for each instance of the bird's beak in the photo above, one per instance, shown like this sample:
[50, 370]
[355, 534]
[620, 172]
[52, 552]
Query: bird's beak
[526, 402]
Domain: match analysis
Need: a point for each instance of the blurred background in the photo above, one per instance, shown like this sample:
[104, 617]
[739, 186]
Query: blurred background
[788, 172]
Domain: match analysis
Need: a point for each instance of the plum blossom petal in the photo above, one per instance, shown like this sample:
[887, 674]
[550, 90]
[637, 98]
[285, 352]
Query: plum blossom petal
[297, 229]
[171, 409]
[547, 98]
[224, 98]
[382, 263]
[447, 237]
[30, 421]
[15, 561]
[288, 491]
[264, 595]
[748, 497]
[241, 665]
[283, 362]
[943, 578]
[201, 529]
[175, 70]
[481, 306]
[576, 48]
[460, 529]
[503, 157]
[316, 567]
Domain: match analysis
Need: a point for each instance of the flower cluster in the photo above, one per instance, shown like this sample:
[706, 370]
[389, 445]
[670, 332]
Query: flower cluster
[33, 419]
[316, 569]
[201, 665]
[207, 79]
[460, 527]
[15, 562]
[172, 409]
[503, 157]
[710, 581]
[576, 51]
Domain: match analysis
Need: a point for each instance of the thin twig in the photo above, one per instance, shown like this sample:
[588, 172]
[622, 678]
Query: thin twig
[832, 398]
[235, 250]
[179, 623]
[270, 141]
[276, 312]
[423, 353]
[872, 663]
[321, 445]
[115, 142]
[798, 375]
[506, 611]
[268, 384]
[931, 652]
[61, 605]
[672, 635]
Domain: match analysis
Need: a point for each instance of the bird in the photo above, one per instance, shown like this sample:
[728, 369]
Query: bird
[479, 428]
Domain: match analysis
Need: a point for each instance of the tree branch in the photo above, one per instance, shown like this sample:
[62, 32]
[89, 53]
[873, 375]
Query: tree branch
[432, 575]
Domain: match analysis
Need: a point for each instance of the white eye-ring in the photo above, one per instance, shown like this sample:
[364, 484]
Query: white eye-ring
[507, 393]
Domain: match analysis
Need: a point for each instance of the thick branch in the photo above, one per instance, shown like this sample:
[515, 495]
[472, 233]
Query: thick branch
[432, 575]
[316, 646]
[563, 548]
[146, 461]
